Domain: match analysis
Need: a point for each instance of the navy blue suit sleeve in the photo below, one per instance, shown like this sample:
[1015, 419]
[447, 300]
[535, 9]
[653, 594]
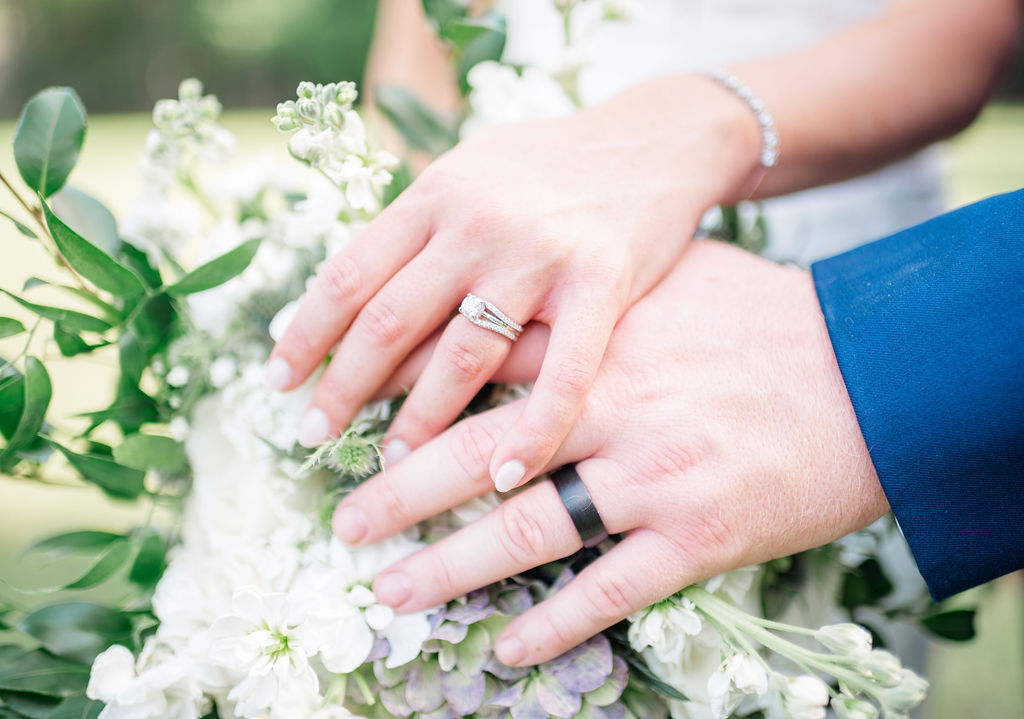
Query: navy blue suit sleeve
[928, 330]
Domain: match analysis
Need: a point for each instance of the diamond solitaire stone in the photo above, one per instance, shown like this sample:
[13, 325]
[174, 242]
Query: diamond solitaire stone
[472, 307]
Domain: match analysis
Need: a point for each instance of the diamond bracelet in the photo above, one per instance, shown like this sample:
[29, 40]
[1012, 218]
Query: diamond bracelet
[769, 137]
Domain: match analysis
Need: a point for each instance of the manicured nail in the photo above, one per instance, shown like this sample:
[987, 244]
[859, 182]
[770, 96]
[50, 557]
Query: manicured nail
[349, 524]
[510, 651]
[278, 374]
[314, 428]
[509, 475]
[394, 452]
[393, 589]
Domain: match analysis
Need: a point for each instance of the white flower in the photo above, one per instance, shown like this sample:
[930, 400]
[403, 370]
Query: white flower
[665, 628]
[165, 690]
[740, 674]
[499, 95]
[264, 640]
[907, 694]
[223, 371]
[804, 697]
[178, 428]
[882, 666]
[735, 585]
[845, 638]
[178, 376]
[850, 708]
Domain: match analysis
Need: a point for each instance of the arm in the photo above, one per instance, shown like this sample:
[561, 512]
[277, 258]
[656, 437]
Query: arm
[928, 331]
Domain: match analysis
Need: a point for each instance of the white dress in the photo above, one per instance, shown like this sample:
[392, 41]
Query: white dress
[665, 37]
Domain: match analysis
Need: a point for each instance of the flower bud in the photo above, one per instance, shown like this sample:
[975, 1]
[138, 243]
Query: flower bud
[190, 89]
[850, 708]
[881, 666]
[285, 123]
[209, 108]
[306, 90]
[346, 93]
[165, 112]
[845, 638]
[333, 116]
[308, 109]
[805, 697]
[907, 694]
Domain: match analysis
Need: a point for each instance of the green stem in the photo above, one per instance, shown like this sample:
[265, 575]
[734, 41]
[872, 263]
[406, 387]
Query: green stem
[24, 349]
[189, 184]
[364, 687]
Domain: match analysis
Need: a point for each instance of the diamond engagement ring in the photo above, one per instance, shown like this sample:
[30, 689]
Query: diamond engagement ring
[484, 314]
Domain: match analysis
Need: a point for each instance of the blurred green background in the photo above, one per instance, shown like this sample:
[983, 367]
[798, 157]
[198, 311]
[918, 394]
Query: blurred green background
[122, 55]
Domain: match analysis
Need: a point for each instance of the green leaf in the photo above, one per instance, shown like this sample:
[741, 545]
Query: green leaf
[420, 126]
[37, 392]
[33, 706]
[441, 13]
[116, 480]
[90, 261]
[150, 562]
[70, 319]
[48, 139]
[10, 327]
[22, 228]
[12, 401]
[131, 409]
[110, 313]
[401, 178]
[85, 541]
[147, 451]
[956, 624]
[79, 707]
[864, 585]
[485, 40]
[217, 271]
[69, 343]
[40, 673]
[463, 31]
[78, 631]
[109, 562]
[88, 217]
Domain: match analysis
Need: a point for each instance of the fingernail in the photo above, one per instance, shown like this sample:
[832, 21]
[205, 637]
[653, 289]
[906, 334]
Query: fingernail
[395, 451]
[314, 428]
[510, 651]
[509, 475]
[350, 524]
[393, 589]
[278, 374]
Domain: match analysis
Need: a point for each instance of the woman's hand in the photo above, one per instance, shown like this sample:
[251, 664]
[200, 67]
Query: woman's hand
[718, 434]
[564, 222]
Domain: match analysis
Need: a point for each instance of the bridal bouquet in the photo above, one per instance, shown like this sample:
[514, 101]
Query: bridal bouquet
[242, 603]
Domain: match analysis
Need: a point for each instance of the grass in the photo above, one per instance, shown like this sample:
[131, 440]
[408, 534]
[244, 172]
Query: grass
[982, 678]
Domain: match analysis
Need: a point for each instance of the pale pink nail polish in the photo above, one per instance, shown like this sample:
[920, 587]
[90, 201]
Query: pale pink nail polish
[509, 475]
[350, 524]
[394, 452]
[314, 428]
[393, 589]
[278, 374]
[510, 651]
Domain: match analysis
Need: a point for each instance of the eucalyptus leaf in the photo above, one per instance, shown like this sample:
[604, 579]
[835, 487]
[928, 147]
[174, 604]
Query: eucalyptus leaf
[116, 480]
[49, 138]
[37, 392]
[33, 706]
[71, 319]
[419, 125]
[87, 216]
[131, 409]
[464, 30]
[86, 541]
[69, 343]
[147, 451]
[21, 227]
[90, 261]
[485, 40]
[150, 562]
[217, 271]
[110, 313]
[78, 631]
[956, 625]
[38, 672]
[109, 562]
[441, 13]
[79, 707]
[12, 401]
[10, 327]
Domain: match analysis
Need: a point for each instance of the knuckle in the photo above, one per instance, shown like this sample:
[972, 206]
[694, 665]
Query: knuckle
[381, 323]
[557, 632]
[473, 443]
[335, 393]
[539, 438]
[572, 376]
[608, 597]
[391, 500]
[339, 279]
[466, 362]
[523, 535]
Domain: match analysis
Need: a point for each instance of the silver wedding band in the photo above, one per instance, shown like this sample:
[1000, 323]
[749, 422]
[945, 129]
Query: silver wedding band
[484, 314]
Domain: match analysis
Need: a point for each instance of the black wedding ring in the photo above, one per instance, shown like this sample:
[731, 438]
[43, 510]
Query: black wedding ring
[580, 506]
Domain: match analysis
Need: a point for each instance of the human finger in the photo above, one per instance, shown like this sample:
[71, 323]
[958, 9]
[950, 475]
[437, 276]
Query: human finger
[466, 358]
[391, 323]
[343, 286]
[633, 575]
[578, 340]
[521, 365]
[525, 531]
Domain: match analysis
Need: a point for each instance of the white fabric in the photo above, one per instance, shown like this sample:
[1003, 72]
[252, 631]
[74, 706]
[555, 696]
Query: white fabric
[672, 36]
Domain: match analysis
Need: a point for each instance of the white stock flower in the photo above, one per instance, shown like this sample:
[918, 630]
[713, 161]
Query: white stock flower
[665, 628]
[804, 697]
[739, 675]
[908, 692]
[845, 638]
[166, 689]
[499, 95]
[850, 708]
[735, 584]
[265, 641]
